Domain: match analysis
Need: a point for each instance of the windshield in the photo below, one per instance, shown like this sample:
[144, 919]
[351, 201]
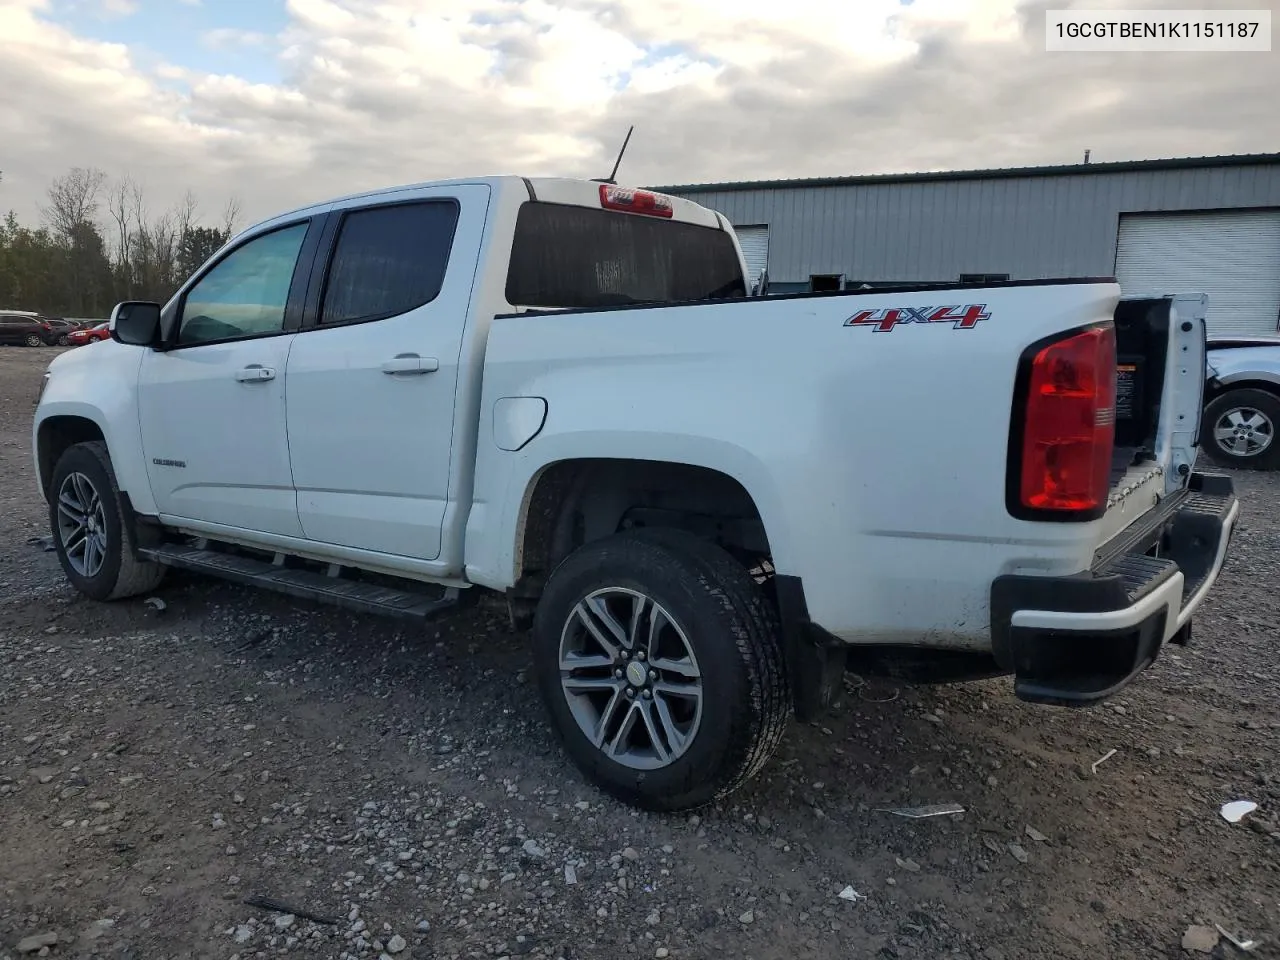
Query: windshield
[579, 257]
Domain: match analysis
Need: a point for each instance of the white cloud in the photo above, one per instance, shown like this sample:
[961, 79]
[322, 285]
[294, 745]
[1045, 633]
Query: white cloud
[101, 9]
[229, 38]
[389, 91]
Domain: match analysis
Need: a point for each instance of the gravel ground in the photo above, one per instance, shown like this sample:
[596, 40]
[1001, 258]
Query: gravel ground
[158, 767]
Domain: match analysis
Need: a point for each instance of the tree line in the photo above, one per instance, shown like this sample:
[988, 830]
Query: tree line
[99, 243]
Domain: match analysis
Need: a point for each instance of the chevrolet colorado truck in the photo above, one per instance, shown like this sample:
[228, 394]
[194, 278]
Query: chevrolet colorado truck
[703, 504]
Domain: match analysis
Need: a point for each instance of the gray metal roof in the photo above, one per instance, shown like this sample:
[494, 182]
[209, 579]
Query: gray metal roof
[1117, 166]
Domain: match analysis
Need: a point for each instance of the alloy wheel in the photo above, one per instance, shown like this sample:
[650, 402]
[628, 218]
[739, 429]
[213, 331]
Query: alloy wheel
[631, 679]
[1244, 432]
[82, 525]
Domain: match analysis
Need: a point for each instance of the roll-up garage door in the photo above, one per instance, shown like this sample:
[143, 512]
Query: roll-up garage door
[1233, 256]
[755, 250]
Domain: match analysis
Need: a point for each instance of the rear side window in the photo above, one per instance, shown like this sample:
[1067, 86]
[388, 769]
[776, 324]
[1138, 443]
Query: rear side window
[580, 257]
[389, 260]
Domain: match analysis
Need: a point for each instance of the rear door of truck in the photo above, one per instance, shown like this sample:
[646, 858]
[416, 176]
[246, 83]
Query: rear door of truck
[373, 374]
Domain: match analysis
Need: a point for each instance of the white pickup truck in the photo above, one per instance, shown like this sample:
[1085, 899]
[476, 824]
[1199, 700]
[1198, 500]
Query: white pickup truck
[705, 504]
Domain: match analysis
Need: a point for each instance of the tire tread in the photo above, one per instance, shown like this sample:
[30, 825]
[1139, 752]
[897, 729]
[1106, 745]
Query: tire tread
[1244, 396]
[755, 732]
[135, 576]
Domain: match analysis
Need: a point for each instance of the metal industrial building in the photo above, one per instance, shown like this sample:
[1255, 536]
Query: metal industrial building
[1203, 224]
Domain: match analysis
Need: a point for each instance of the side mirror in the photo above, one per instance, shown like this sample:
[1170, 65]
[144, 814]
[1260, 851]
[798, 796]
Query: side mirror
[136, 322]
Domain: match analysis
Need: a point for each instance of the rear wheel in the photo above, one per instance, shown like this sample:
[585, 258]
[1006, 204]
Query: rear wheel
[90, 535]
[658, 658]
[34, 340]
[1238, 429]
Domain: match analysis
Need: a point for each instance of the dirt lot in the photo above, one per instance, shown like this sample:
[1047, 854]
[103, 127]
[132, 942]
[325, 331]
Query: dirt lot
[157, 767]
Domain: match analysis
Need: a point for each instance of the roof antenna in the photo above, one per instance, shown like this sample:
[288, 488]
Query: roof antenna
[1086, 155]
[613, 177]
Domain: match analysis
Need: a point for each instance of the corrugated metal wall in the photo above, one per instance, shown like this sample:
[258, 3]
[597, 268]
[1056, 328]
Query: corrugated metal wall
[1028, 226]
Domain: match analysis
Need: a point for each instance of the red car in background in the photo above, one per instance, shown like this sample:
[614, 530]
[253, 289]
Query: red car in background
[78, 338]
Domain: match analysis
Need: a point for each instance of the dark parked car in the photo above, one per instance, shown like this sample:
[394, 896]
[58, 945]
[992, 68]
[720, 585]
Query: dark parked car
[62, 327]
[29, 329]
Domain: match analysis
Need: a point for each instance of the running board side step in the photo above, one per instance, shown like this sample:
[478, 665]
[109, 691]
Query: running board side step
[305, 584]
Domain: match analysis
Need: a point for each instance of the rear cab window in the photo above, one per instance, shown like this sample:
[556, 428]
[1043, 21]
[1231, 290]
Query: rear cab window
[573, 257]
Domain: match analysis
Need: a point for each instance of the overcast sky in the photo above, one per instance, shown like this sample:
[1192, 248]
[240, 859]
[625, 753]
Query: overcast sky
[281, 102]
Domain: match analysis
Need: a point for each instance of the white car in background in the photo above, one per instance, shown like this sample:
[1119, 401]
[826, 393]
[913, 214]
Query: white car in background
[1242, 402]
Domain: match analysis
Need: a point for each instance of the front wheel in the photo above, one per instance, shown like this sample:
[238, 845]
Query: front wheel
[89, 530]
[1238, 429]
[658, 657]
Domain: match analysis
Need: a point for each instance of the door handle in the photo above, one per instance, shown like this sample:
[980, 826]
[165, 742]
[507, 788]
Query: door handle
[410, 364]
[255, 373]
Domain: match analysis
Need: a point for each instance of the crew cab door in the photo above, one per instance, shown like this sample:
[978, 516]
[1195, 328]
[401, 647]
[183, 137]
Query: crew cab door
[371, 380]
[211, 404]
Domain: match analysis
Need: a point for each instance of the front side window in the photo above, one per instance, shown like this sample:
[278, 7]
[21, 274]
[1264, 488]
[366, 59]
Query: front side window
[389, 260]
[245, 294]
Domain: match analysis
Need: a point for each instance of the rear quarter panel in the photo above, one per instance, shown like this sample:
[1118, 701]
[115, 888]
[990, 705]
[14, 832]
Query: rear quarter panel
[875, 457]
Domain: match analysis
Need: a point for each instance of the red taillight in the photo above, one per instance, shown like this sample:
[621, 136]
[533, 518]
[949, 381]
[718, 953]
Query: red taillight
[635, 201]
[1070, 424]
[44, 325]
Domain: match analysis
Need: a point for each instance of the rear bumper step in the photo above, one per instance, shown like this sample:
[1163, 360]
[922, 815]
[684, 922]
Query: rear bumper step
[305, 584]
[1076, 640]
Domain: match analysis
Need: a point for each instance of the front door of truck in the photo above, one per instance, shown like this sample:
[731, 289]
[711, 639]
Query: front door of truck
[211, 405]
[371, 382]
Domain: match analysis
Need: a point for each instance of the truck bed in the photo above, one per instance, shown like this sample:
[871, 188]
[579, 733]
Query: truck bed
[861, 422]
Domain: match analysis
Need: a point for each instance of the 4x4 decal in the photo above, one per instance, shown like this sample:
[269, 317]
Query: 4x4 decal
[887, 319]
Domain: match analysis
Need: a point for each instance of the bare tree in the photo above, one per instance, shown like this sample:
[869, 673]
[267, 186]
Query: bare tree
[71, 213]
[102, 242]
[164, 239]
[118, 207]
[137, 204]
[73, 201]
[186, 213]
[229, 217]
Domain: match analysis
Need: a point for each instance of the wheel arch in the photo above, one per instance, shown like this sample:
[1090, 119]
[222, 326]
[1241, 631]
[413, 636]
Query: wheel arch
[1216, 388]
[574, 501]
[80, 405]
[55, 435]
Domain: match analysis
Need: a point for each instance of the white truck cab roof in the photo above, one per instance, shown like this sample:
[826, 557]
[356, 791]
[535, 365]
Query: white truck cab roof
[562, 190]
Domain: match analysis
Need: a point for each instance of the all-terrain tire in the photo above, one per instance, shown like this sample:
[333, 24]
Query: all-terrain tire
[121, 573]
[1259, 407]
[733, 631]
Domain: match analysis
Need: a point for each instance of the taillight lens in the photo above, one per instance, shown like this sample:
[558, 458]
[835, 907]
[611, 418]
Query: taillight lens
[1070, 424]
[635, 201]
